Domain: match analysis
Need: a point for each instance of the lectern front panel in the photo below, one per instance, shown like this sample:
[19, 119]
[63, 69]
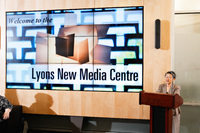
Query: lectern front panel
[158, 122]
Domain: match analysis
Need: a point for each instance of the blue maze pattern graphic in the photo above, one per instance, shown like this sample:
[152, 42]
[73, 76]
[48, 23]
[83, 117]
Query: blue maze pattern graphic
[124, 35]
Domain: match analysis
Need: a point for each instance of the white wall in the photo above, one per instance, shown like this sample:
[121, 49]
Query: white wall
[187, 49]
[187, 5]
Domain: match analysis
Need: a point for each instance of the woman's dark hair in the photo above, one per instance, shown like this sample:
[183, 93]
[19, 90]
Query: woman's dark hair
[172, 73]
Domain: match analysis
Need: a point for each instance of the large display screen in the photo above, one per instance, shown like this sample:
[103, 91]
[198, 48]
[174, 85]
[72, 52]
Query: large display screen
[79, 50]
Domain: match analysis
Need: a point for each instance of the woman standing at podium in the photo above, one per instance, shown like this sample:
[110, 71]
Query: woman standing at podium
[170, 88]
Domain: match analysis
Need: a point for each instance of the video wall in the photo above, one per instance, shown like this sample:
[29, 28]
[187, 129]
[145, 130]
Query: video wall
[79, 50]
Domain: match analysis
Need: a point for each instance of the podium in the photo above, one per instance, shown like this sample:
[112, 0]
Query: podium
[161, 106]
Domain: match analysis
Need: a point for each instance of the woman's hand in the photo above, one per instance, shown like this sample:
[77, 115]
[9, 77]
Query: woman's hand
[6, 114]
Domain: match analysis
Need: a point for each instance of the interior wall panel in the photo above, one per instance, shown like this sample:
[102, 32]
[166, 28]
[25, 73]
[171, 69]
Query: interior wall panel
[2, 47]
[96, 104]
[157, 61]
[117, 3]
[26, 5]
